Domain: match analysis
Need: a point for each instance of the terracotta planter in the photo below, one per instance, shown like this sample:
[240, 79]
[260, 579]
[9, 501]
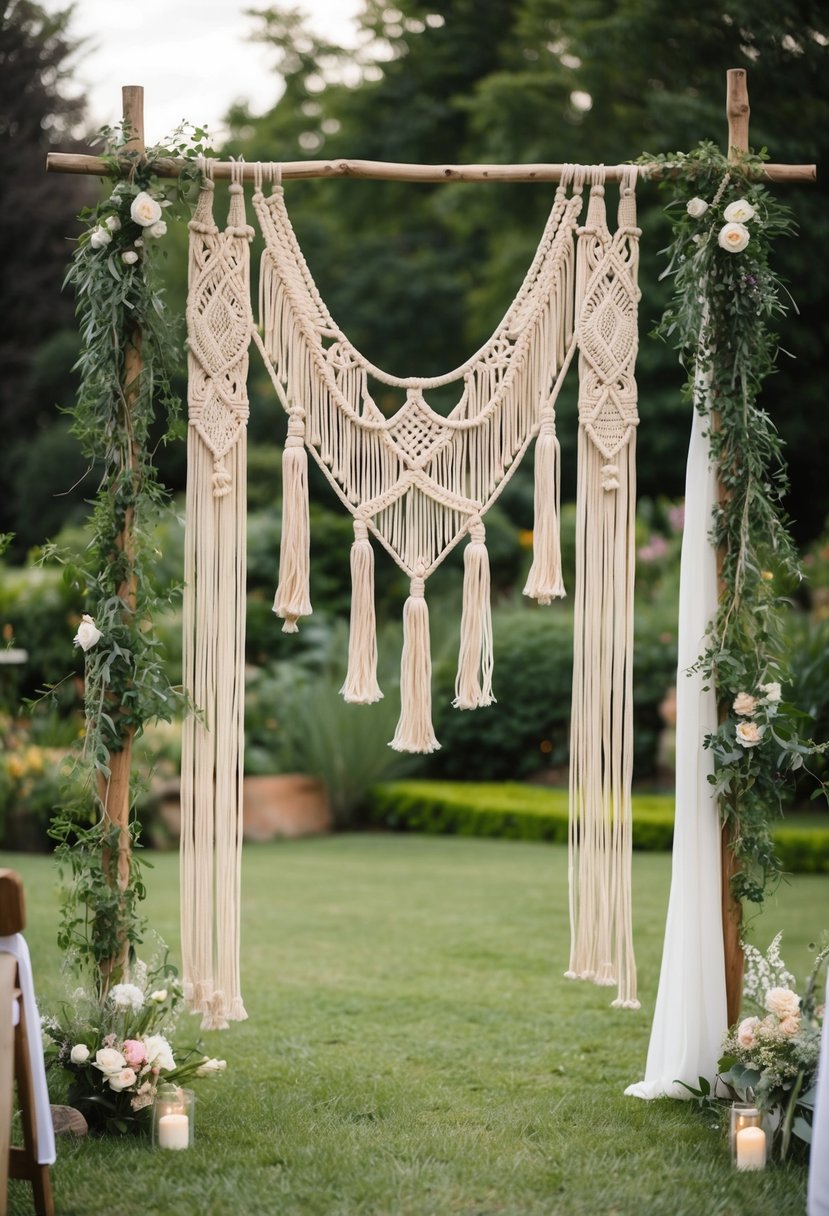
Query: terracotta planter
[278, 806]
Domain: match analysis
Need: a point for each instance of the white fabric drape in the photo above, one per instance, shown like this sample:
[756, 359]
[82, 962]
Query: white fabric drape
[818, 1204]
[16, 946]
[690, 1018]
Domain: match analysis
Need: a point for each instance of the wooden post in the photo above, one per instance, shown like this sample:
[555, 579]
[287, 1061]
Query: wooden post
[737, 112]
[115, 793]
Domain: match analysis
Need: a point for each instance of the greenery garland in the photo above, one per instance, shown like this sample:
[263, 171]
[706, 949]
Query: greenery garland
[726, 296]
[122, 311]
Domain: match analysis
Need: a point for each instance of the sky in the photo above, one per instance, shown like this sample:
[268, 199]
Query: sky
[193, 57]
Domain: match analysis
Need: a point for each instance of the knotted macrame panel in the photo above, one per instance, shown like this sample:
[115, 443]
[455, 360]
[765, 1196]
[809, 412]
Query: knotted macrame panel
[219, 323]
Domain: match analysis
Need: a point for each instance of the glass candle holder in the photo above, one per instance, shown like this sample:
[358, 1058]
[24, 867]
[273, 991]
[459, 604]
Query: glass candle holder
[173, 1117]
[747, 1137]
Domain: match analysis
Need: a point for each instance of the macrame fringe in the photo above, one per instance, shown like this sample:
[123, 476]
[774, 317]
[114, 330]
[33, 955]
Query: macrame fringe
[473, 685]
[293, 595]
[213, 661]
[601, 739]
[544, 581]
[361, 687]
[213, 738]
[415, 732]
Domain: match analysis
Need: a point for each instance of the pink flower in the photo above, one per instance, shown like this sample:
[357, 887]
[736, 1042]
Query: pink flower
[656, 547]
[746, 1031]
[789, 1025]
[134, 1053]
[744, 703]
[783, 1002]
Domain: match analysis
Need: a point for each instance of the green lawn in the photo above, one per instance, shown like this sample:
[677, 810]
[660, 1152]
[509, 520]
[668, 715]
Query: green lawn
[413, 1050]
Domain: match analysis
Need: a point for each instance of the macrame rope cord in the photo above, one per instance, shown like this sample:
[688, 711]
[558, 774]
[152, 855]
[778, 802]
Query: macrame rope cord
[219, 323]
[418, 483]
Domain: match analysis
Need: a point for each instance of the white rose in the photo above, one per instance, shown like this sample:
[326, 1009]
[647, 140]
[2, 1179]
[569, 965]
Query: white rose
[159, 1052]
[696, 207]
[771, 692]
[159, 228]
[159, 996]
[130, 257]
[744, 704]
[122, 1080]
[210, 1067]
[745, 1031]
[113, 223]
[782, 1002]
[145, 210]
[100, 237]
[139, 244]
[739, 212]
[79, 1053]
[126, 996]
[733, 237]
[88, 633]
[110, 1061]
[749, 734]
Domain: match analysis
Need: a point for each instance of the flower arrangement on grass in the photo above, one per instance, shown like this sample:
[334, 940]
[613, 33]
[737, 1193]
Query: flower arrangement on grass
[770, 1058]
[117, 1049]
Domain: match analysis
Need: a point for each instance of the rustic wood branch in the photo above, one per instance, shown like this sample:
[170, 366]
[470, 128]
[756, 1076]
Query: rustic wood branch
[115, 792]
[737, 112]
[66, 162]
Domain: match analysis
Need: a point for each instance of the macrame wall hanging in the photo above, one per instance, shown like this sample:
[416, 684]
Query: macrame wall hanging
[418, 483]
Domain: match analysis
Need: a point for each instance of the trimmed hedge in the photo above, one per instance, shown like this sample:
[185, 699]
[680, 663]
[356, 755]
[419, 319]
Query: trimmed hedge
[527, 812]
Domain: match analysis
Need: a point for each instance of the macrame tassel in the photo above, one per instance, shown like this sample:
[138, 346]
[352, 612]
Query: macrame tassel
[361, 687]
[473, 685]
[544, 581]
[414, 729]
[293, 598]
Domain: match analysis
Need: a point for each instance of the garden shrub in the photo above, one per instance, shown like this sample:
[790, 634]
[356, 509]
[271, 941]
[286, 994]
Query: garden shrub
[525, 812]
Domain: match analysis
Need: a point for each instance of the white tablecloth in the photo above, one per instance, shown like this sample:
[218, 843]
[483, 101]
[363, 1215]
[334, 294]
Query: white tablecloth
[818, 1204]
[16, 946]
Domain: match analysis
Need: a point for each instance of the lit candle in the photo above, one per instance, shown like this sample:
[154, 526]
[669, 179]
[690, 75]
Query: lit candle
[174, 1131]
[751, 1148]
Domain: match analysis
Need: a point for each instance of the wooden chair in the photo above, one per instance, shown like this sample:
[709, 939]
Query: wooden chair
[14, 1062]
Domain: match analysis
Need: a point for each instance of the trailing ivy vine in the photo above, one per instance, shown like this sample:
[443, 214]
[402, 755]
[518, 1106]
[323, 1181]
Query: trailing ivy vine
[122, 315]
[726, 297]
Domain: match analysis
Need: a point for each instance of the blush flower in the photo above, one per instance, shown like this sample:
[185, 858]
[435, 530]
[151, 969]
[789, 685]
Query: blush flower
[746, 1031]
[733, 237]
[749, 734]
[744, 704]
[100, 237]
[145, 210]
[696, 207]
[122, 1080]
[88, 634]
[789, 1026]
[134, 1053]
[739, 212]
[782, 1002]
[109, 1061]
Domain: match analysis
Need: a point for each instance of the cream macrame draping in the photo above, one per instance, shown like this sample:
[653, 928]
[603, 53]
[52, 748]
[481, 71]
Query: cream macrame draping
[418, 483]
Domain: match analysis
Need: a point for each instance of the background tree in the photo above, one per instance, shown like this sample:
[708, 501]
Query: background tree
[38, 344]
[419, 275]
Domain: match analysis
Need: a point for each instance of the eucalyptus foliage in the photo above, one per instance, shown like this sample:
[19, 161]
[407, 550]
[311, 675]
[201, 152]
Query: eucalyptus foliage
[726, 299]
[130, 350]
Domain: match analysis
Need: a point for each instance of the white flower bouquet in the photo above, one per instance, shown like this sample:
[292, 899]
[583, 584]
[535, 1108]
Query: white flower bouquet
[117, 1050]
[770, 1058]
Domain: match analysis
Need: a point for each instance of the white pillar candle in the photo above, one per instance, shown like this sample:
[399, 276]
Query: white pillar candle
[751, 1148]
[174, 1131]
